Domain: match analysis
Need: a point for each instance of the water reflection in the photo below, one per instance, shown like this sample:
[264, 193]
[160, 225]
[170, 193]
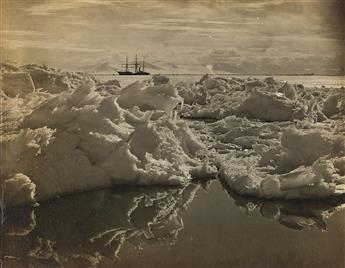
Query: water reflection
[293, 214]
[91, 229]
[86, 229]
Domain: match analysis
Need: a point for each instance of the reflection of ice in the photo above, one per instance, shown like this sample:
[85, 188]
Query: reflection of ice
[293, 214]
[88, 228]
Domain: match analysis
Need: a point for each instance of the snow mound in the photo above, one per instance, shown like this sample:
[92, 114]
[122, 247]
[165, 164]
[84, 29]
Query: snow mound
[158, 79]
[334, 104]
[307, 164]
[269, 107]
[48, 79]
[195, 94]
[267, 100]
[66, 132]
[149, 96]
[17, 84]
[78, 140]
[245, 133]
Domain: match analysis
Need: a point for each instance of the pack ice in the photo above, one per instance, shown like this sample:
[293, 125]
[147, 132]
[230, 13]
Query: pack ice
[272, 139]
[78, 139]
[66, 132]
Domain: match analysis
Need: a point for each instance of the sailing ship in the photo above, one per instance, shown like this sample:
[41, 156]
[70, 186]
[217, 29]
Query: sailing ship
[139, 69]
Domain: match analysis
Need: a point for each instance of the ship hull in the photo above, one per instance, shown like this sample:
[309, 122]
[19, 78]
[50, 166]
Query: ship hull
[131, 73]
[125, 73]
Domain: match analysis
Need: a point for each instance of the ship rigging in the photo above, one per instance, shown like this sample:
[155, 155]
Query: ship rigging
[139, 69]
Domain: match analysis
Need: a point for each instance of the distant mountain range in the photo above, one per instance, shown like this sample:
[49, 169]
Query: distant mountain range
[164, 67]
[192, 68]
[103, 67]
[170, 68]
[226, 68]
[108, 67]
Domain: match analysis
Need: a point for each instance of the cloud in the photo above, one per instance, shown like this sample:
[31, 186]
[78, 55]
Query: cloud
[52, 45]
[53, 58]
[328, 15]
[219, 56]
[285, 65]
[178, 20]
[162, 26]
[228, 31]
[21, 33]
[51, 7]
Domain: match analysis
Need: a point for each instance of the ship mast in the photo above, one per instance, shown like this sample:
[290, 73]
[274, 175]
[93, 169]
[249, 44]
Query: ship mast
[143, 64]
[126, 63]
[136, 63]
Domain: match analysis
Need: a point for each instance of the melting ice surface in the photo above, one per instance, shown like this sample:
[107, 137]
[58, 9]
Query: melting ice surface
[203, 224]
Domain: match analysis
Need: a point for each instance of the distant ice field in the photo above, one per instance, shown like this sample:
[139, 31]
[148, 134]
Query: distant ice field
[306, 80]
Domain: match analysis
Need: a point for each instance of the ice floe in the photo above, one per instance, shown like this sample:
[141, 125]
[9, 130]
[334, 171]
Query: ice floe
[79, 140]
[66, 132]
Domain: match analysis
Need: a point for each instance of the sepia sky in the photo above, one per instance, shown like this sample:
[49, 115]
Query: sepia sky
[271, 36]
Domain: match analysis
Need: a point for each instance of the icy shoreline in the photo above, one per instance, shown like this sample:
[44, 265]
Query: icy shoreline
[67, 132]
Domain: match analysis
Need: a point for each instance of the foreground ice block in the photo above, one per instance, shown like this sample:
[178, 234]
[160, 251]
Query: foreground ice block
[19, 83]
[79, 140]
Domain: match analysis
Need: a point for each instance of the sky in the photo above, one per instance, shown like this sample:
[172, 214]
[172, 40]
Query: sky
[269, 36]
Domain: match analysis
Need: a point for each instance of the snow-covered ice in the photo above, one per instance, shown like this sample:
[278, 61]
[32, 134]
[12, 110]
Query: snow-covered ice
[67, 132]
[79, 140]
